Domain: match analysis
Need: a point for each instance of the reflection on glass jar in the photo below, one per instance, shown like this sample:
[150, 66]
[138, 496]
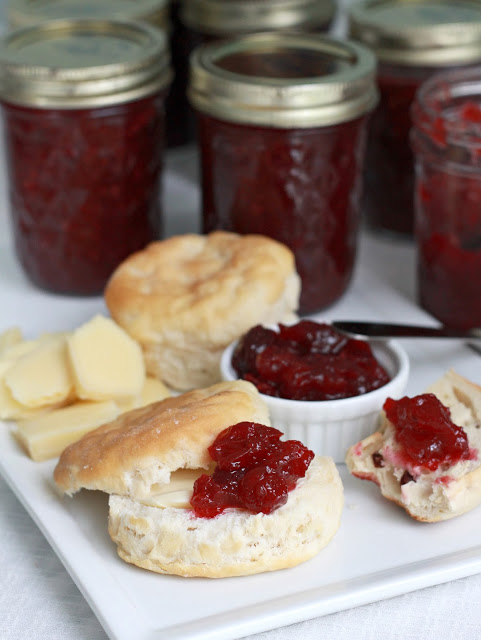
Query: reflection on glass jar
[84, 163]
[281, 130]
[412, 40]
[446, 140]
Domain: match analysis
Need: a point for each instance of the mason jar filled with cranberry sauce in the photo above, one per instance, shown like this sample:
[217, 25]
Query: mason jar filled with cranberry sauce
[412, 41]
[200, 21]
[83, 111]
[281, 122]
[159, 13]
[446, 139]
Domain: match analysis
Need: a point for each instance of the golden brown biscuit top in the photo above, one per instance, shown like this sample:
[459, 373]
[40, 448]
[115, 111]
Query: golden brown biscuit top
[141, 448]
[197, 284]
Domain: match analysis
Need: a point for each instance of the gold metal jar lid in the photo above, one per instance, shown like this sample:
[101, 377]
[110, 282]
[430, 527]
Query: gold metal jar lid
[419, 32]
[238, 17]
[283, 80]
[82, 63]
[22, 13]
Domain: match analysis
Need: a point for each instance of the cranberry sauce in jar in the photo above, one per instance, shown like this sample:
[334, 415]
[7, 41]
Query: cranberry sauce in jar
[83, 110]
[447, 143]
[307, 361]
[200, 21]
[412, 41]
[281, 123]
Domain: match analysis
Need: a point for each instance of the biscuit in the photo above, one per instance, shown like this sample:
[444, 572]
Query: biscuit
[148, 460]
[138, 450]
[235, 542]
[186, 298]
[430, 498]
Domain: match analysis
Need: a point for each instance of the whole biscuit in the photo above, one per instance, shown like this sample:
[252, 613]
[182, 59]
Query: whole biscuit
[186, 298]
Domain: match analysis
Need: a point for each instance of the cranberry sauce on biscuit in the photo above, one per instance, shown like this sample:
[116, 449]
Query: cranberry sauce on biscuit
[255, 471]
[425, 433]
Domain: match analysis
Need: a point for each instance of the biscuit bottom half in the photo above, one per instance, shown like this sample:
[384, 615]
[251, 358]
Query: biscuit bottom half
[175, 541]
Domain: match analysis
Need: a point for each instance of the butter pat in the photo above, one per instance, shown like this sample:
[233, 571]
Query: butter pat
[153, 391]
[106, 362]
[178, 492]
[10, 409]
[9, 338]
[42, 375]
[46, 436]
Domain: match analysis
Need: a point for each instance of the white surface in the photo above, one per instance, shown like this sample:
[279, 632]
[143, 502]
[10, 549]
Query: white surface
[378, 552]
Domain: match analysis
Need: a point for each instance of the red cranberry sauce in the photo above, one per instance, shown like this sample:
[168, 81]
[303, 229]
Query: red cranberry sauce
[425, 433]
[389, 164]
[84, 189]
[254, 471]
[299, 186]
[307, 361]
[449, 221]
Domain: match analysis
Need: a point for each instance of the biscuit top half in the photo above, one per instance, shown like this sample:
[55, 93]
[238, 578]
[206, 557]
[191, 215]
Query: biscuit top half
[137, 452]
[213, 287]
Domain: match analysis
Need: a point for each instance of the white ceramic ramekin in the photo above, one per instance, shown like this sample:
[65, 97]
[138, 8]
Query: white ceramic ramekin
[330, 427]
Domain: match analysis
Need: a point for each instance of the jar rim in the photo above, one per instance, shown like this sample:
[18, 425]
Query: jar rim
[22, 13]
[433, 33]
[439, 128]
[235, 17]
[345, 92]
[81, 63]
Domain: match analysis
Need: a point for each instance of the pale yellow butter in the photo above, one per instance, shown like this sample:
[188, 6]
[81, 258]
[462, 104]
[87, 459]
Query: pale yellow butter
[153, 391]
[42, 375]
[46, 436]
[10, 409]
[106, 362]
[8, 338]
[178, 492]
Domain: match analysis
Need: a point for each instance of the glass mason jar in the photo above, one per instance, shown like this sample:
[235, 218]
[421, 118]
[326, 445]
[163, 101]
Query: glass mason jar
[83, 111]
[159, 13]
[281, 122]
[446, 140]
[201, 21]
[412, 41]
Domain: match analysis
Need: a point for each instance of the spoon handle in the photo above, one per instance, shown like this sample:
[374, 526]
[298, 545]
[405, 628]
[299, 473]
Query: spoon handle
[387, 330]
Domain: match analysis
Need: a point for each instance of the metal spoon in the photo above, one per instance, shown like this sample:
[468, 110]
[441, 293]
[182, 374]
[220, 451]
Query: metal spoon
[387, 330]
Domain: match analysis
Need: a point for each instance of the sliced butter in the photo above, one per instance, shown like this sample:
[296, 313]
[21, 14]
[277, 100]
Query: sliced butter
[46, 436]
[15, 351]
[177, 499]
[8, 338]
[106, 361]
[178, 492]
[10, 409]
[153, 391]
[42, 375]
